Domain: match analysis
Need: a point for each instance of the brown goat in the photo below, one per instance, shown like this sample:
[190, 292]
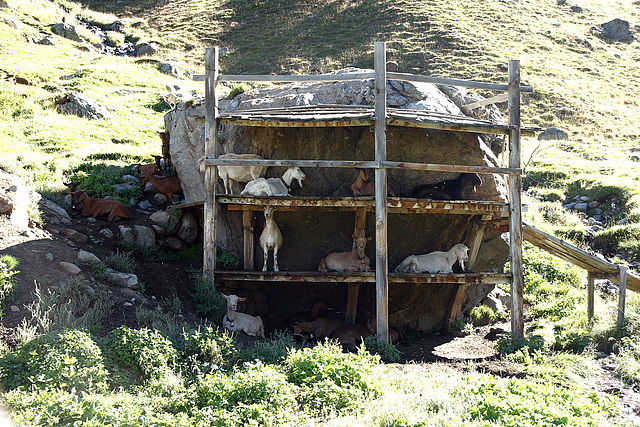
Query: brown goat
[99, 207]
[166, 186]
[316, 329]
[394, 335]
[151, 168]
[350, 336]
[364, 185]
[166, 148]
[353, 261]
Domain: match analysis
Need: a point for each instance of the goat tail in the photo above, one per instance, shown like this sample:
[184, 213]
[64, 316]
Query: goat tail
[404, 265]
[323, 265]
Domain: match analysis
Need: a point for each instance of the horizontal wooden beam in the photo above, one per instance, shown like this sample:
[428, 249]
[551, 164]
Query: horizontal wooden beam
[363, 164]
[272, 78]
[332, 277]
[498, 98]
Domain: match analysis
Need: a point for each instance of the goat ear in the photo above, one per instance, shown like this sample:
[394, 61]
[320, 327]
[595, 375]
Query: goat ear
[368, 239]
[354, 236]
[241, 299]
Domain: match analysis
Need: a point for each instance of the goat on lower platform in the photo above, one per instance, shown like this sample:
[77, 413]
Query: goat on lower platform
[167, 186]
[241, 322]
[394, 334]
[350, 336]
[99, 207]
[352, 261]
[452, 189]
[315, 329]
[365, 186]
[271, 238]
[435, 262]
[243, 173]
[264, 187]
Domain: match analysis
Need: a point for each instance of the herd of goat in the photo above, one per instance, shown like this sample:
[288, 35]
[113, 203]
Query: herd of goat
[271, 238]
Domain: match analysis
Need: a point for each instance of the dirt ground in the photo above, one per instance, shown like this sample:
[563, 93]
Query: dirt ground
[40, 252]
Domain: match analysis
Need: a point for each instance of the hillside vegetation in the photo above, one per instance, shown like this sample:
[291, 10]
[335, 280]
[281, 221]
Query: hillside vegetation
[175, 374]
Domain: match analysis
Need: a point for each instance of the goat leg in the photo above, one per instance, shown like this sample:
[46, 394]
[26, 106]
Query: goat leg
[275, 258]
[266, 256]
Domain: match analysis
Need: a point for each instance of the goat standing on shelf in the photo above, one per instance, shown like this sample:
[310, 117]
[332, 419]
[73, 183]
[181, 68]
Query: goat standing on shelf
[435, 262]
[451, 189]
[271, 238]
[241, 322]
[243, 173]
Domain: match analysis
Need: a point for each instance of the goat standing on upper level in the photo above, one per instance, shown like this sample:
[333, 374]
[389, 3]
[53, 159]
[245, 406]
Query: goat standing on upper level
[271, 238]
[451, 189]
[435, 262]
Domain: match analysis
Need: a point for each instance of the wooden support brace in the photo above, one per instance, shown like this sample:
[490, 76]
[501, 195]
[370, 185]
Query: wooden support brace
[455, 304]
[590, 295]
[622, 297]
[248, 222]
[474, 240]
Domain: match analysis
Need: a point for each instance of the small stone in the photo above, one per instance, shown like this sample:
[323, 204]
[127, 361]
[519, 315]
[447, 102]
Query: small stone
[85, 256]
[15, 309]
[584, 199]
[49, 257]
[107, 233]
[70, 268]
[128, 304]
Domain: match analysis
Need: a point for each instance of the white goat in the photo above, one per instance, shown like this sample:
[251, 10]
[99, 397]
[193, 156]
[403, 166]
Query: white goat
[271, 238]
[274, 186]
[241, 322]
[435, 262]
[244, 173]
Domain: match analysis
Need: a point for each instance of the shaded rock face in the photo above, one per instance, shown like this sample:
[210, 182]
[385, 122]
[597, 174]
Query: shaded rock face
[311, 234]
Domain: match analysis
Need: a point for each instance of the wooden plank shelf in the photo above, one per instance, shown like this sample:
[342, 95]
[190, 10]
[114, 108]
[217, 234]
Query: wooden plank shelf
[395, 204]
[369, 277]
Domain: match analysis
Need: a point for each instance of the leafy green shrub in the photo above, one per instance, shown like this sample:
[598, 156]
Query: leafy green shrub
[206, 350]
[143, 353]
[238, 89]
[209, 301]
[387, 351]
[227, 260]
[460, 325]
[8, 264]
[619, 238]
[507, 344]
[515, 402]
[330, 380]
[121, 261]
[256, 395]
[482, 315]
[272, 351]
[98, 179]
[69, 360]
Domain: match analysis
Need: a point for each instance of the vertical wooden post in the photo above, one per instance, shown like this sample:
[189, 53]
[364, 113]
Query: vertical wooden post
[382, 279]
[211, 172]
[622, 297]
[248, 223]
[515, 204]
[590, 294]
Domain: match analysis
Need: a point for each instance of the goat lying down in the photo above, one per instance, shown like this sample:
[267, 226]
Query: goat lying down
[352, 261]
[243, 173]
[435, 262]
[265, 187]
[241, 322]
[452, 189]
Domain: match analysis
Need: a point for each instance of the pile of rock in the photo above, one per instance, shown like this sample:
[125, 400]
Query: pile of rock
[170, 230]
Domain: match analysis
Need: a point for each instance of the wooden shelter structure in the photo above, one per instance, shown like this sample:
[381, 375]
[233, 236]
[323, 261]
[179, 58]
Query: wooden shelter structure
[379, 117]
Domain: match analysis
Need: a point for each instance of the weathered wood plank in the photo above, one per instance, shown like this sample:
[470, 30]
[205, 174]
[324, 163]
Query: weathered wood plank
[474, 241]
[453, 82]
[248, 223]
[210, 177]
[515, 214]
[370, 277]
[622, 297]
[590, 295]
[382, 278]
[352, 303]
[431, 167]
[455, 304]
[498, 98]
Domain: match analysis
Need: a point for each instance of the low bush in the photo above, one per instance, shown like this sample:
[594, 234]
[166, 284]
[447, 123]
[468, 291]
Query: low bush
[8, 266]
[387, 351]
[506, 344]
[121, 261]
[482, 315]
[256, 395]
[209, 301]
[140, 354]
[68, 360]
[206, 350]
[329, 380]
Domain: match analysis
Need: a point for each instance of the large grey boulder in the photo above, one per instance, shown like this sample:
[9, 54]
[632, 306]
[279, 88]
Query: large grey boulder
[553, 133]
[82, 106]
[616, 30]
[67, 31]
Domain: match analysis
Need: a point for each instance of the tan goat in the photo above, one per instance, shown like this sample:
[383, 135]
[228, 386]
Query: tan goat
[241, 322]
[352, 261]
